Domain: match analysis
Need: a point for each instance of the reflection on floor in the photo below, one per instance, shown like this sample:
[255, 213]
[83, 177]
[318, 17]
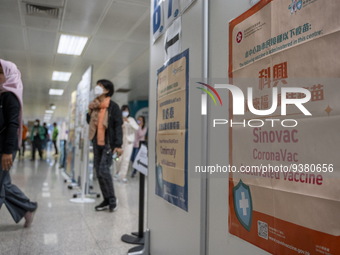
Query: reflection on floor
[61, 227]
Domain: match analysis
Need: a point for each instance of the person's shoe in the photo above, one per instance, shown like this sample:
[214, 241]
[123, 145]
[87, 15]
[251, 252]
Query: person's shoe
[29, 218]
[102, 206]
[116, 177]
[124, 180]
[113, 207]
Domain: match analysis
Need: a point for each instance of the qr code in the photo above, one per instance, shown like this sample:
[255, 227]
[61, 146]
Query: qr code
[262, 229]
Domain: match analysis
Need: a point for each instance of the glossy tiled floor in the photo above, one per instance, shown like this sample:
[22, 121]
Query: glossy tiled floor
[61, 227]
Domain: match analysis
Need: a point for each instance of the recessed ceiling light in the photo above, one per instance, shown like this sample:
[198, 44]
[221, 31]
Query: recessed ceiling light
[71, 45]
[56, 92]
[61, 76]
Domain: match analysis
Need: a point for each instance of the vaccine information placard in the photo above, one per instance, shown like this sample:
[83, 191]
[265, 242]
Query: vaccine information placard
[287, 202]
[172, 126]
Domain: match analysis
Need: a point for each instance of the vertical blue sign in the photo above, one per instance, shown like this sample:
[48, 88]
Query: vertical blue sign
[157, 19]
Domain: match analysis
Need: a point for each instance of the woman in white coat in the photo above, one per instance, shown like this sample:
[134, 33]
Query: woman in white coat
[130, 127]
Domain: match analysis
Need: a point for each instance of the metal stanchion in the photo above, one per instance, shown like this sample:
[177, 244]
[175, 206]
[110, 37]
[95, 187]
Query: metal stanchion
[141, 164]
[139, 239]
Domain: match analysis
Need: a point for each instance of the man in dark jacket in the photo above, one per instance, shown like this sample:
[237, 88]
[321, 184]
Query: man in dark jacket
[37, 138]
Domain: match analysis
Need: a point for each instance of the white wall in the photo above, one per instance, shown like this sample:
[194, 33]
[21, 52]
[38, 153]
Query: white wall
[220, 241]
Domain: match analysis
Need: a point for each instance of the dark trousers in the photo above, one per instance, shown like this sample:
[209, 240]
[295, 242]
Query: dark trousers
[37, 144]
[55, 146]
[102, 163]
[14, 199]
[22, 149]
[133, 157]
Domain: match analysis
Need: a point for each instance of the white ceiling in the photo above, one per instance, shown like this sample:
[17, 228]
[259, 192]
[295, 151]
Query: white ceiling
[118, 48]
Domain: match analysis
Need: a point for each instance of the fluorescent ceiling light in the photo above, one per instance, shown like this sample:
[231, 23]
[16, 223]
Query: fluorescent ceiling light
[56, 92]
[49, 111]
[61, 76]
[71, 45]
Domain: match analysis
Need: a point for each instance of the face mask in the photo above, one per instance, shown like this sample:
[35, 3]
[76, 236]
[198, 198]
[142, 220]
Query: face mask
[36, 123]
[98, 90]
[125, 114]
[138, 122]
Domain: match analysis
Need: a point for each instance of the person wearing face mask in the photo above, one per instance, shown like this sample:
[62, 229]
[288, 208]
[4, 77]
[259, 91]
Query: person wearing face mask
[105, 131]
[11, 89]
[139, 137]
[37, 138]
[130, 126]
[46, 137]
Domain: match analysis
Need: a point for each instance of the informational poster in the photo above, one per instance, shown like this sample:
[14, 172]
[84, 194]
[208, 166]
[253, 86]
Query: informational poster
[172, 131]
[164, 13]
[284, 192]
[71, 147]
[63, 135]
[171, 11]
[157, 26]
[82, 143]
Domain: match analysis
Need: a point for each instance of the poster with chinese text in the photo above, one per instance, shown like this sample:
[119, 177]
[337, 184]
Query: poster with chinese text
[171, 135]
[286, 198]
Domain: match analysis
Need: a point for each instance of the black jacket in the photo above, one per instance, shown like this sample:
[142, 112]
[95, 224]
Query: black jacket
[9, 122]
[114, 133]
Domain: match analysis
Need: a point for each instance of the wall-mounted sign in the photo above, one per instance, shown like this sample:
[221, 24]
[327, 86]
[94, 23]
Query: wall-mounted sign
[285, 196]
[172, 131]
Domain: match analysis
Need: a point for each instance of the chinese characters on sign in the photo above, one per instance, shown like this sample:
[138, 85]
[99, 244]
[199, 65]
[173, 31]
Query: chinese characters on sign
[171, 136]
[296, 49]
